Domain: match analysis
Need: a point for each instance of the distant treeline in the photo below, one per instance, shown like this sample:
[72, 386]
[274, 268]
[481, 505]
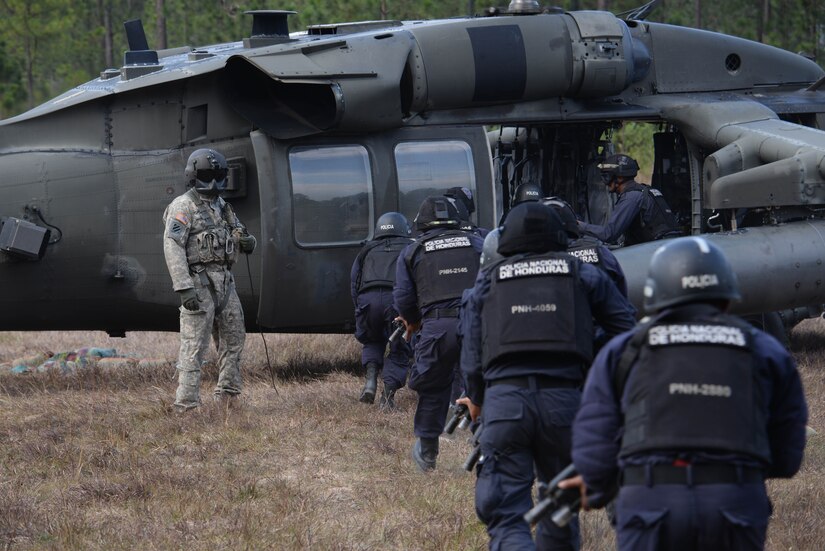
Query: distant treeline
[49, 46]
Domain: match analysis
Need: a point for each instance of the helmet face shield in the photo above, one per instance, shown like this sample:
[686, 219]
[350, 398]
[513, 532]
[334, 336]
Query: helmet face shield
[209, 174]
[206, 171]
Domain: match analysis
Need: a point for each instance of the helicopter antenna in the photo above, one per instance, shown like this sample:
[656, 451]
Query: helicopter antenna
[135, 35]
[640, 13]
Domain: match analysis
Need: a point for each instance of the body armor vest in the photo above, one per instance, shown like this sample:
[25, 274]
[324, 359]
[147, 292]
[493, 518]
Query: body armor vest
[378, 260]
[694, 387]
[586, 249]
[536, 303]
[655, 220]
[448, 264]
[211, 238]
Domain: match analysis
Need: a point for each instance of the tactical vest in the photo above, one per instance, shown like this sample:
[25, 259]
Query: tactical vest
[694, 387]
[378, 260]
[586, 249]
[448, 264]
[211, 238]
[655, 220]
[536, 303]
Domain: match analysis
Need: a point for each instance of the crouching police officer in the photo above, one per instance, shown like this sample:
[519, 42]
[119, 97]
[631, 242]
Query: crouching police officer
[689, 413]
[200, 243]
[431, 275]
[640, 214]
[372, 278]
[527, 339]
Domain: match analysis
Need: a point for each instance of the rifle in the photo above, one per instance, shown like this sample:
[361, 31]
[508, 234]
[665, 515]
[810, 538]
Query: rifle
[475, 455]
[562, 504]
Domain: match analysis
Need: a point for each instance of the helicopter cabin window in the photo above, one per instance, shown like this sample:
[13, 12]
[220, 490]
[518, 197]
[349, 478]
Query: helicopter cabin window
[431, 168]
[331, 194]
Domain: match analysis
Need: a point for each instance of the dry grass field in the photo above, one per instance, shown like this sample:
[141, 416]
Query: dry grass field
[99, 460]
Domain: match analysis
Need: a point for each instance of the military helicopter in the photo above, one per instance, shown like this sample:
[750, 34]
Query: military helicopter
[327, 128]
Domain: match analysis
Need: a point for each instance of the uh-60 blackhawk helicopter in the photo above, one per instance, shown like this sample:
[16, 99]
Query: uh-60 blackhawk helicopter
[327, 128]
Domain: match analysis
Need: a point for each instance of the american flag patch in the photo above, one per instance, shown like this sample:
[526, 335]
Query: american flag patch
[182, 218]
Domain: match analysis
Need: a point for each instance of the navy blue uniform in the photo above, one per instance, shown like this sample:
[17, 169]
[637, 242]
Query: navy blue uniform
[640, 214]
[699, 497]
[374, 314]
[592, 251]
[529, 400]
[436, 346]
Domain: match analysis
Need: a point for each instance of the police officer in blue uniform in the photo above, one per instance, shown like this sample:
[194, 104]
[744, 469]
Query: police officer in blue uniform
[586, 247]
[372, 278]
[640, 214]
[689, 413]
[526, 192]
[431, 275]
[527, 340]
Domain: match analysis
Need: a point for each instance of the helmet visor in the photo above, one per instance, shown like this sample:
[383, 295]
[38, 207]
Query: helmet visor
[209, 174]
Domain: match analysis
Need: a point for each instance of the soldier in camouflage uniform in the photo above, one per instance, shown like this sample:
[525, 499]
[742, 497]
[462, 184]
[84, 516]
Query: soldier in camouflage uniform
[200, 243]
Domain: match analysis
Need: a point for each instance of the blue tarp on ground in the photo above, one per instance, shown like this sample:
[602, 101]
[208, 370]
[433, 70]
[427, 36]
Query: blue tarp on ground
[68, 362]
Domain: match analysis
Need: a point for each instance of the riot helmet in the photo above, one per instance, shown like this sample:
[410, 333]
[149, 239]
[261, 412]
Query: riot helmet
[489, 252]
[436, 211]
[463, 195]
[526, 192]
[618, 165]
[463, 215]
[532, 228]
[688, 269]
[565, 212]
[206, 171]
[392, 224]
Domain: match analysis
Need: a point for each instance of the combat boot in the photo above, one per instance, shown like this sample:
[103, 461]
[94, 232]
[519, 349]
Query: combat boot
[370, 385]
[424, 452]
[387, 400]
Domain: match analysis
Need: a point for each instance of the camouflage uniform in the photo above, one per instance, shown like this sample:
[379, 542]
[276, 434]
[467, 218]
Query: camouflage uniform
[200, 245]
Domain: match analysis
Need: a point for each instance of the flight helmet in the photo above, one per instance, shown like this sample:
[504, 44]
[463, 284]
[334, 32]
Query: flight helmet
[526, 192]
[688, 269]
[532, 228]
[437, 211]
[489, 252]
[565, 212]
[392, 224]
[206, 171]
[618, 165]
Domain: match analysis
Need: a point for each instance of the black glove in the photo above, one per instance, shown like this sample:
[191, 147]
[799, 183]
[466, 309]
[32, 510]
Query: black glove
[247, 243]
[189, 299]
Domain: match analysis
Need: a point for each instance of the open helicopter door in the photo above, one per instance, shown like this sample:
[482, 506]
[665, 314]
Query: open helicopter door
[320, 198]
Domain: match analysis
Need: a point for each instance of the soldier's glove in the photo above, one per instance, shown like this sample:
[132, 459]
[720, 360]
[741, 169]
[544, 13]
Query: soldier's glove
[247, 243]
[189, 299]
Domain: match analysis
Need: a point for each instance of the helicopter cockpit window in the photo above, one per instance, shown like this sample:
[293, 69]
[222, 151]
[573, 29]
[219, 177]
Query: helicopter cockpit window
[331, 194]
[431, 168]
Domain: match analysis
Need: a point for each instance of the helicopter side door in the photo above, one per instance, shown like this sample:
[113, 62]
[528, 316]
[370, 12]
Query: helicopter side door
[320, 198]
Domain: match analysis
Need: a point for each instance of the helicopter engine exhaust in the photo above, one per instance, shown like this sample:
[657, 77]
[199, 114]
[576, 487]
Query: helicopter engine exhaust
[375, 81]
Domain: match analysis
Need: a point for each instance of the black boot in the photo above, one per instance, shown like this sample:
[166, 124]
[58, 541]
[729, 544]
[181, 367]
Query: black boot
[424, 452]
[370, 385]
[387, 400]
